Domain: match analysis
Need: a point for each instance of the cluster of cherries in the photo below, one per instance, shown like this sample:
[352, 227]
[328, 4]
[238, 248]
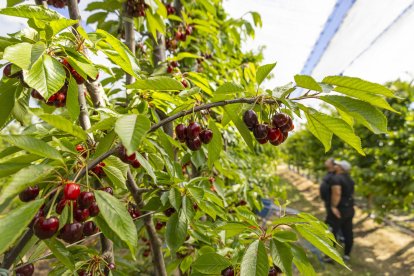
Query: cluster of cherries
[60, 4]
[170, 9]
[193, 136]
[182, 32]
[98, 169]
[170, 68]
[136, 8]
[276, 133]
[273, 271]
[129, 159]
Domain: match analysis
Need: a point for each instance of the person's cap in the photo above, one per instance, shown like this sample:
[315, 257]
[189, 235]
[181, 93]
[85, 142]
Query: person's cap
[344, 165]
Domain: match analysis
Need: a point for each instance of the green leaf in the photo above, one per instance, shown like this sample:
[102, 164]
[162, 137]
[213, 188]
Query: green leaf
[324, 125]
[176, 231]
[365, 113]
[115, 214]
[61, 253]
[234, 112]
[158, 84]
[131, 129]
[146, 165]
[188, 208]
[59, 25]
[154, 24]
[72, 99]
[211, 263]
[15, 222]
[257, 19]
[216, 144]
[175, 198]
[263, 71]
[34, 146]
[30, 11]
[46, 76]
[358, 84]
[7, 98]
[24, 178]
[183, 55]
[81, 64]
[307, 82]
[186, 263]
[255, 261]
[19, 54]
[230, 88]
[285, 236]
[65, 125]
[309, 234]
[115, 176]
[282, 256]
[301, 261]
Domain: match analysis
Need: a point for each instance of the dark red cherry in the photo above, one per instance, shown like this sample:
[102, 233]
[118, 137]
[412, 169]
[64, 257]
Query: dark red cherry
[71, 191]
[40, 213]
[93, 209]
[146, 253]
[174, 63]
[36, 95]
[285, 135]
[136, 164]
[170, 69]
[262, 141]
[83, 272]
[189, 30]
[193, 130]
[206, 135]
[107, 189]
[280, 119]
[277, 142]
[90, 228]
[260, 131]
[132, 157]
[45, 228]
[81, 214]
[274, 271]
[7, 71]
[29, 194]
[61, 205]
[169, 212]
[26, 270]
[228, 272]
[250, 119]
[184, 82]
[159, 225]
[181, 132]
[80, 148]
[273, 134]
[193, 144]
[85, 199]
[71, 232]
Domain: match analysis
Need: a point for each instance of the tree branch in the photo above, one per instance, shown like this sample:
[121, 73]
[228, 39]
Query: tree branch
[155, 242]
[96, 91]
[129, 37]
[12, 255]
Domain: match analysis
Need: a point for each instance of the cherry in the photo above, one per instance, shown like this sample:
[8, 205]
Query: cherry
[71, 232]
[159, 225]
[81, 215]
[45, 228]
[250, 119]
[180, 36]
[93, 209]
[29, 194]
[61, 205]
[146, 253]
[85, 199]
[26, 270]
[189, 30]
[71, 191]
[262, 141]
[136, 164]
[51, 100]
[184, 83]
[195, 206]
[107, 189]
[181, 132]
[36, 95]
[90, 228]
[170, 9]
[280, 119]
[80, 148]
[170, 69]
[228, 272]
[83, 272]
[7, 71]
[193, 130]
[242, 202]
[169, 212]
[133, 211]
[273, 134]
[174, 63]
[40, 213]
[132, 157]
[260, 131]
[98, 169]
[193, 144]
[206, 135]
[274, 271]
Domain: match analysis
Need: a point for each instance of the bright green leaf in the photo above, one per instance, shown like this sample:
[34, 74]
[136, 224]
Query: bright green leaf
[64, 124]
[158, 84]
[307, 82]
[263, 71]
[255, 261]
[211, 263]
[131, 129]
[216, 144]
[61, 253]
[282, 256]
[176, 231]
[19, 54]
[31, 11]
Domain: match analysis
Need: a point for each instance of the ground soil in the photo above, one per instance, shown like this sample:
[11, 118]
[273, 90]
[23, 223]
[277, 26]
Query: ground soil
[378, 249]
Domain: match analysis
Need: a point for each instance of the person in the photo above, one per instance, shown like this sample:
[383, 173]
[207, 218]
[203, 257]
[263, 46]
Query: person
[342, 205]
[325, 187]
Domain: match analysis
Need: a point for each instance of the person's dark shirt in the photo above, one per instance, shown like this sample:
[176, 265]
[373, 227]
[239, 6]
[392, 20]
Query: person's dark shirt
[325, 188]
[347, 190]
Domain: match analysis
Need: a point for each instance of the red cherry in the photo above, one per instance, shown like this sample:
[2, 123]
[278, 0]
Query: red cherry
[260, 131]
[174, 63]
[181, 132]
[193, 144]
[228, 272]
[29, 194]
[26, 270]
[159, 225]
[90, 228]
[169, 212]
[45, 228]
[93, 209]
[206, 135]
[184, 83]
[80, 148]
[61, 205]
[71, 191]
[193, 130]
[146, 253]
[36, 95]
[280, 119]
[7, 71]
[61, 97]
[80, 215]
[189, 30]
[107, 189]
[71, 232]
[250, 119]
[273, 134]
[262, 141]
[83, 272]
[40, 213]
[85, 200]
[136, 164]
[170, 69]
[285, 135]
[132, 157]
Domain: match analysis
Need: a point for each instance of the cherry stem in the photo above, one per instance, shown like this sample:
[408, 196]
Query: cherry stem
[53, 202]
[71, 211]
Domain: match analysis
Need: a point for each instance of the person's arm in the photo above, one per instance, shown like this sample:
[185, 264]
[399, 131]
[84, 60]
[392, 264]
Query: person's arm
[335, 198]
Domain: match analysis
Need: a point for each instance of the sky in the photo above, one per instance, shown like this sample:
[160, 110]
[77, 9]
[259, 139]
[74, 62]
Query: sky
[374, 40]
